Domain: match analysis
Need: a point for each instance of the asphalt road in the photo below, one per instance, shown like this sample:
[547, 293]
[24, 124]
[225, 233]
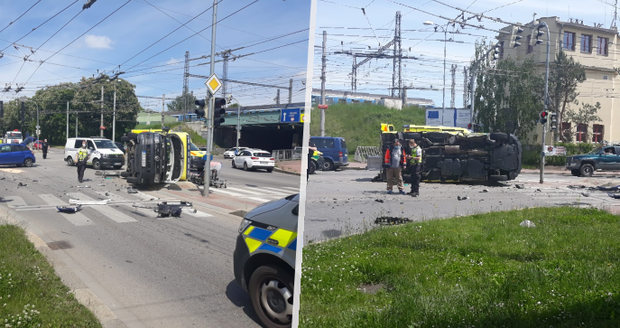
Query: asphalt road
[347, 202]
[150, 272]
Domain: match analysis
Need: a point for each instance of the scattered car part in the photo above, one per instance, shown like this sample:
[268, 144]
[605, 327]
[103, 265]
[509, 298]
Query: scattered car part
[69, 209]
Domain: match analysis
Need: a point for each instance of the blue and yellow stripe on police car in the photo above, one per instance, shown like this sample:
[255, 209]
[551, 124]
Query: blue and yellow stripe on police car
[258, 239]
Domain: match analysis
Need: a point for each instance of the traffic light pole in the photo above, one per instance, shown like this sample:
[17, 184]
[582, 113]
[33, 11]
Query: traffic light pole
[207, 168]
[546, 100]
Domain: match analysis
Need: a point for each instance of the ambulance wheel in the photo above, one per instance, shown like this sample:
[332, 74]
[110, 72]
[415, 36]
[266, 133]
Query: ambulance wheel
[271, 292]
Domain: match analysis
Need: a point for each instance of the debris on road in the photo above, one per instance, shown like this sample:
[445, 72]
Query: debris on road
[585, 194]
[527, 224]
[69, 209]
[462, 198]
[88, 202]
[379, 200]
[484, 190]
[519, 186]
[131, 191]
[22, 185]
[83, 186]
[391, 220]
[613, 195]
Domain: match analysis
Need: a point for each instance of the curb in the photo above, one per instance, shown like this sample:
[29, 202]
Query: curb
[83, 295]
[353, 168]
[285, 172]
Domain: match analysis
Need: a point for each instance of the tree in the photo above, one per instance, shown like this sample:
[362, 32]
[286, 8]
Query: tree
[179, 103]
[586, 114]
[505, 97]
[564, 76]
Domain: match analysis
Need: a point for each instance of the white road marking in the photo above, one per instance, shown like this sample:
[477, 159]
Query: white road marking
[77, 219]
[14, 201]
[238, 195]
[110, 212]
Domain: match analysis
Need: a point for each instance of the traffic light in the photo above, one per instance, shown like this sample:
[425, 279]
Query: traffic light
[497, 49]
[516, 36]
[200, 112]
[543, 117]
[219, 111]
[554, 121]
[535, 36]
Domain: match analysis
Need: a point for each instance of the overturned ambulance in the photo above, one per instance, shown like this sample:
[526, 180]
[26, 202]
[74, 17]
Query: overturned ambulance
[153, 158]
[454, 154]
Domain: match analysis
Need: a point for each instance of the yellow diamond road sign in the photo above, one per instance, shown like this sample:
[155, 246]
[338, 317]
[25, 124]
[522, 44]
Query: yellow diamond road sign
[213, 84]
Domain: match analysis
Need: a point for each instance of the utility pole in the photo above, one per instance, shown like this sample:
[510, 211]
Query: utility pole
[323, 66]
[114, 116]
[67, 120]
[225, 57]
[101, 127]
[186, 85]
[397, 82]
[453, 92]
[207, 169]
[544, 126]
[163, 107]
[465, 93]
[290, 91]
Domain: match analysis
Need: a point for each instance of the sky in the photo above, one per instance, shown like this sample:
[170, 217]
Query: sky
[146, 38]
[349, 28]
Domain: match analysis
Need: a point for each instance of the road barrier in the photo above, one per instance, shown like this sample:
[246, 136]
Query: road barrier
[282, 155]
[363, 152]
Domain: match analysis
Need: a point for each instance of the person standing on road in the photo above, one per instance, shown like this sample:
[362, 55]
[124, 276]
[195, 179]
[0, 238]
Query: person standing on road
[311, 149]
[44, 147]
[82, 159]
[414, 159]
[394, 162]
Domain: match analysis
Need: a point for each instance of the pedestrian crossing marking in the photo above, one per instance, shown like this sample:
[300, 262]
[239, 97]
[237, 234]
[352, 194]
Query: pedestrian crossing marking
[77, 219]
[236, 194]
[265, 191]
[14, 201]
[113, 214]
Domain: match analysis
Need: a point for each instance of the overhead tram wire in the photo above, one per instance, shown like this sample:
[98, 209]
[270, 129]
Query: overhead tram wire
[210, 26]
[20, 16]
[81, 35]
[167, 35]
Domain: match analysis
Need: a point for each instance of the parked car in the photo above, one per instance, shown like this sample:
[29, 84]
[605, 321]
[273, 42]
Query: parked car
[103, 152]
[254, 159]
[334, 151]
[602, 158]
[38, 145]
[20, 155]
[264, 259]
[120, 146]
[230, 153]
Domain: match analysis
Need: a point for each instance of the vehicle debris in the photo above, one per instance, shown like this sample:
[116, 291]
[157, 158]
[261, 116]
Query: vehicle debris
[131, 191]
[69, 209]
[527, 224]
[88, 202]
[484, 190]
[462, 198]
[166, 209]
[613, 195]
[387, 220]
[379, 200]
[519, 186]
[585, 194]
[22, 185]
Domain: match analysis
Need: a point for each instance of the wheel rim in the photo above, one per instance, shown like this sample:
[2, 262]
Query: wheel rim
[587, 170]
[96, 164]
[327, 166]
[276, 300]
[28, 162]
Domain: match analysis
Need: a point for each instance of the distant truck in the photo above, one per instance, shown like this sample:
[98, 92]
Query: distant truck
[452, 154]
[14, 137]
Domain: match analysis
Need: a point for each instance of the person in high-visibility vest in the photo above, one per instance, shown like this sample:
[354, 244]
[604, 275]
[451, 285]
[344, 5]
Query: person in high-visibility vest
[414, 159]
[82, 158]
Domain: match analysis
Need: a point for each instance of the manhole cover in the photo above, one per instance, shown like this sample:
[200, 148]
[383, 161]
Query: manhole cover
[61, 244]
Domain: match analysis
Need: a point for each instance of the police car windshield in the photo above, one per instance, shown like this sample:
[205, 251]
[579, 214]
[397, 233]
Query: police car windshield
[104, 144]
[193, 147]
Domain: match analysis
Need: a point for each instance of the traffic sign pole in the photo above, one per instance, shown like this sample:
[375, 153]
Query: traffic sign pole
[212, 89]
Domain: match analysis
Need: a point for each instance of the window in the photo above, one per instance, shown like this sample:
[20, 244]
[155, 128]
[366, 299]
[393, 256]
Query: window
[78, 143]
[597, 133]
[324, 142]
[6, 149]
[569, 41]
[582, 132]
[586, 43]
[90, 145]
[602, 46]
[104, 143]
[530, 47]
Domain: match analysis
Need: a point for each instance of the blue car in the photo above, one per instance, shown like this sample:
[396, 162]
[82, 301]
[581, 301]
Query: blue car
[334, 151]
[16, 154]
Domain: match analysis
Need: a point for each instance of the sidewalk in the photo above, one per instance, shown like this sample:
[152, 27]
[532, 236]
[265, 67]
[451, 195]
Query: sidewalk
[294, 167]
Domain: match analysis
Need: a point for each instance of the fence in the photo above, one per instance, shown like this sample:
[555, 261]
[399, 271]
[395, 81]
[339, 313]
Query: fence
[282, 154]
[362, 152]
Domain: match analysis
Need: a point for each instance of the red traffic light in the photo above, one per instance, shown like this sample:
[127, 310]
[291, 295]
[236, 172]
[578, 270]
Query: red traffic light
[469, 126]
[543, 114]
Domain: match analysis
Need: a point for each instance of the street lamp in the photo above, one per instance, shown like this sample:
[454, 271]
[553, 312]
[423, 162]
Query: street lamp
[445, 41]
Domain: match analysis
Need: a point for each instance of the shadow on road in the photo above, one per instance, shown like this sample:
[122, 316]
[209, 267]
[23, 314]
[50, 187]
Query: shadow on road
[241, 299]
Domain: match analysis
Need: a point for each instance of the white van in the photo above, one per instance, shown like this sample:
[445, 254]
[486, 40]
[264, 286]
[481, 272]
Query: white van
[103, 152]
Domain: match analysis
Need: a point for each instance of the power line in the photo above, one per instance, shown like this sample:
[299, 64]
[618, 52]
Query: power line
[20, 16]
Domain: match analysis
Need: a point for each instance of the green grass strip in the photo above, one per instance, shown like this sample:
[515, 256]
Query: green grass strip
[31, 295]
[477, 271]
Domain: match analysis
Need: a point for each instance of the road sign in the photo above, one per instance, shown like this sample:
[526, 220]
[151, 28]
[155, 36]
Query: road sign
[303, 117]
[38, 132]
[213, 84]
[38, 127]
[290, 115]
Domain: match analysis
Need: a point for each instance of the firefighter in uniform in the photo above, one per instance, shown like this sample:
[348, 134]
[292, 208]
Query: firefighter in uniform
[81, 162]
[415, 166]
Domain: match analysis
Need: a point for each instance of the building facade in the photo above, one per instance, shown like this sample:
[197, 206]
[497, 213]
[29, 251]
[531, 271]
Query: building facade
[594, 47]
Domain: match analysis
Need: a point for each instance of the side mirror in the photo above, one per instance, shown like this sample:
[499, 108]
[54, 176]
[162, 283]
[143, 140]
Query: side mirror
[295, 210]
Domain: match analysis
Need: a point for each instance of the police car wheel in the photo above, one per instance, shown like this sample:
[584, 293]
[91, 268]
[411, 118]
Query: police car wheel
[70, 161]
[271, 292]
[96, 164]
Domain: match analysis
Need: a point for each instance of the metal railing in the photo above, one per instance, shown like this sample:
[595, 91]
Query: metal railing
[282, 154]
[362, 152]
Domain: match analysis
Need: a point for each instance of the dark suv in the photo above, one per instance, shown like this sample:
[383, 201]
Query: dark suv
[602, 158]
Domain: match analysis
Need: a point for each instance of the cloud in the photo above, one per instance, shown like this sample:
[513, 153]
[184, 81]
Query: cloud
[98, 42]
[172, 61]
